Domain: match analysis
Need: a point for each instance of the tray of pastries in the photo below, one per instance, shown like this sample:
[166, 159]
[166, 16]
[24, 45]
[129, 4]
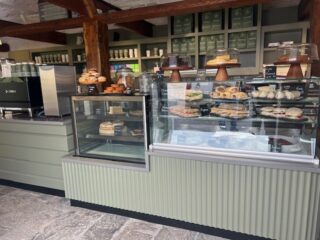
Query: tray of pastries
[92, 76]
[234, 93]
[115, 90]
[267, 92]
[293, 113]
[232, 111]
[183, 111]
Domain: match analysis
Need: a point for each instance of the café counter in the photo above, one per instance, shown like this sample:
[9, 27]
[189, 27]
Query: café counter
[31, 150]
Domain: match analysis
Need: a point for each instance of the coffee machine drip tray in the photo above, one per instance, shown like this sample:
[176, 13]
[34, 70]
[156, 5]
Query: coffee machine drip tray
[31, 111]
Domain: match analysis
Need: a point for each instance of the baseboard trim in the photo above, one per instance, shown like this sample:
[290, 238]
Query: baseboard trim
[30, 187]
[168, 222]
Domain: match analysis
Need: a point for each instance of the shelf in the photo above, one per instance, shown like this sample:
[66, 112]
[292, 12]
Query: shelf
[270, 49]
[186, 35]
[124, 138]
[247, 50]
[216, 32]
[242, 29]
[309, 100]
[150, 58]
[123, 117]
[79, 62]
[250, 120]
[123, 59]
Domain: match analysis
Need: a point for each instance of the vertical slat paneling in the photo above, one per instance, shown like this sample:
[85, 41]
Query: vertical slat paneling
[274, 203]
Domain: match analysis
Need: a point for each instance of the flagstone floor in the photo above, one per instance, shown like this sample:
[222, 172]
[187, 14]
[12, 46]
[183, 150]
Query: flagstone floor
[26, 215]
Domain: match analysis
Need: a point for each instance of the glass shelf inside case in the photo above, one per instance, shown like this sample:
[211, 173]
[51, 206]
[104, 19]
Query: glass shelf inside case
[111, 127]
[259, 117]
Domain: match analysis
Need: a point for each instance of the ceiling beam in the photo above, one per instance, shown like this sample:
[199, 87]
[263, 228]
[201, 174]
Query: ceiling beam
[50, 37]
[43, 27]
[175, 8]
[90, 7]
[304, 9]
[131, 15]
[142, 27]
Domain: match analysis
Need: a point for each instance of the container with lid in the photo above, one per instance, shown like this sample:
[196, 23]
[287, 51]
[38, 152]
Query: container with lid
[145, 81]
[300, 53]
[125, 76]
[215, 57]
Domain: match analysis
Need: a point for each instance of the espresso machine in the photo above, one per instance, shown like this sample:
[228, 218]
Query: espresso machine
[20, 94]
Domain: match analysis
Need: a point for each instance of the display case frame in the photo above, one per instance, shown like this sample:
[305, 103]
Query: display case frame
[125, 140]
[166, 140]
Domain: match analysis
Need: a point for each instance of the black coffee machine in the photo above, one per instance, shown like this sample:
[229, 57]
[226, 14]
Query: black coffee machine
[20, 94]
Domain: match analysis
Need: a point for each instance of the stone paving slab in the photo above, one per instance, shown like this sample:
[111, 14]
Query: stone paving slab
[27, 215]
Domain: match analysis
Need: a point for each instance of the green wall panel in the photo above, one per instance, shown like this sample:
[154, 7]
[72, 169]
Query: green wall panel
[273, 203]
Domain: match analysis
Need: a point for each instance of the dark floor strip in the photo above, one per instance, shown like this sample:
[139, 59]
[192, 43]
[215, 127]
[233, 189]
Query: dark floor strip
[34, 188]
[169, 222]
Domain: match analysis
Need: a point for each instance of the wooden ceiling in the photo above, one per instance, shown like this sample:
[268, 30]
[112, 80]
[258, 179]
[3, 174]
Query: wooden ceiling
[133, 19]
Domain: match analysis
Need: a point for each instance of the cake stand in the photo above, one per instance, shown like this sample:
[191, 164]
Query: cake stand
[295, 71]
[175, 75]
[222, 74]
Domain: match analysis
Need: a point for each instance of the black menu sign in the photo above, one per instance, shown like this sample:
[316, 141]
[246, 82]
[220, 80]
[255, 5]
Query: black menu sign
[270, 72]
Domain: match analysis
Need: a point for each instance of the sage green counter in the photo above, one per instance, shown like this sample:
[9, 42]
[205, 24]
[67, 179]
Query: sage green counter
[31, 150]
[266, 201]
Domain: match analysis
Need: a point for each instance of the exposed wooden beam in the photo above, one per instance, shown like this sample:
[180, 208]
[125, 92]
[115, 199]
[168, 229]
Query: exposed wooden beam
[142, 27]
[175, 8]
[43, 27]
[50, 37]
[131, 15]
[304, 9]
[95, 35]
[90, 7]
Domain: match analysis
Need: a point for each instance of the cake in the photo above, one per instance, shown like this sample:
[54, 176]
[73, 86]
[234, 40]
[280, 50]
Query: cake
[115, 110]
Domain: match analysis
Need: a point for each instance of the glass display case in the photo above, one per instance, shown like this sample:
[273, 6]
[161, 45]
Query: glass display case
[250, 118]
[111, 127]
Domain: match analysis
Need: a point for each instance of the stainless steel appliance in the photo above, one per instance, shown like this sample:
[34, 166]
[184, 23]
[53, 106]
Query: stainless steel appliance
[20, 94]
[58, 83]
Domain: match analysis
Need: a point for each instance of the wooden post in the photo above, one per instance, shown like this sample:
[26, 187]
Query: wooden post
[95, 34]
[315, 32]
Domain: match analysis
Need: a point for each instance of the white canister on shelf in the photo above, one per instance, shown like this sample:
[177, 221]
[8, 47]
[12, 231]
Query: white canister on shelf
[131, 53]
[136, 52]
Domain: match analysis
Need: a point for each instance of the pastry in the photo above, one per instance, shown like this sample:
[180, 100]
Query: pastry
[289, 95]
[220, 89]
[239, 95]
[192, 95]
[280, 95]
[232, 89]
[271, 95]
[183, 111]
[136, 113]
[279, 110]
[215, 95]
[137, 132]
[267, 109]
[115, 110]
[102, 79]
[221, 59]
[294, 112]
[263, 94]
[255, 94]
[296, 94]
[265, 88]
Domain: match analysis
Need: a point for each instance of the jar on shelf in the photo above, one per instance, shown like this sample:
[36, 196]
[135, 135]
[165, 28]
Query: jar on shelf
[125, 76]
